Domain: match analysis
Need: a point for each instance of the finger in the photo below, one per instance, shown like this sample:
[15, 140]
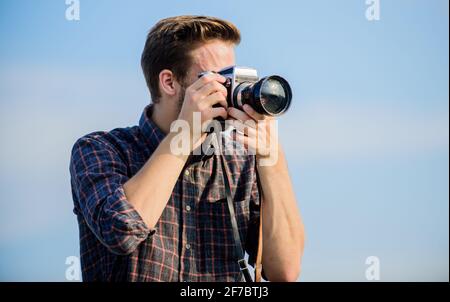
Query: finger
[206, 79]
[252, 113]
[217, 111]
[245, 128]
[238, 114]
[215, 98]
[212, 87]
[248, 142]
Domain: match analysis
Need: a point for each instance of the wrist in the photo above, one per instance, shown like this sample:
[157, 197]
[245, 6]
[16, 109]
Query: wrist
[173, 145]
[271, 158]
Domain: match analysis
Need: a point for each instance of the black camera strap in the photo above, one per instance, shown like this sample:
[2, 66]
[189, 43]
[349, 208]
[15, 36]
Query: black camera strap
[238, 250]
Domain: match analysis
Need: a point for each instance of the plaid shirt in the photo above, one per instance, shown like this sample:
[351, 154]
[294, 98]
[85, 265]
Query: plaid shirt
[193, 238]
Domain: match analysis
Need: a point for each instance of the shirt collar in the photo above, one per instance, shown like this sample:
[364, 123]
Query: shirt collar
[152, 133]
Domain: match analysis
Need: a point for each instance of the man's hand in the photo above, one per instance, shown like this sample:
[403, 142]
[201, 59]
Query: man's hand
[255, 131]
[201, 96]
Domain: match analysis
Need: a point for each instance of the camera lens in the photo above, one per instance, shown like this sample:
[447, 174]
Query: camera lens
[275, 96]
[271, 95]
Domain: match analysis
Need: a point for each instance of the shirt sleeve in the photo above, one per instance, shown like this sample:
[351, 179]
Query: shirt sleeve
[97, 175]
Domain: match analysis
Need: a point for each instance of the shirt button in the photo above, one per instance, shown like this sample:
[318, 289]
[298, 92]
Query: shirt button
[186, 173]
[188, 246]
[188, 208]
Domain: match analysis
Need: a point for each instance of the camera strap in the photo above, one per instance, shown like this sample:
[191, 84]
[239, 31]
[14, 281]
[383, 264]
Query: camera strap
[238, 250]
[258, 263]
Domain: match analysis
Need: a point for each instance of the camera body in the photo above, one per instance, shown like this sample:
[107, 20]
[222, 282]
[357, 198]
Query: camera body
[270, 95]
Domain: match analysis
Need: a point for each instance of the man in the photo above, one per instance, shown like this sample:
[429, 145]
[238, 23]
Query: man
[146, 214]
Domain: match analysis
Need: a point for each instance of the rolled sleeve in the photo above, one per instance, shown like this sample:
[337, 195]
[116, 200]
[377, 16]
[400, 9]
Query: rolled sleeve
[123, 227]
[98, 173]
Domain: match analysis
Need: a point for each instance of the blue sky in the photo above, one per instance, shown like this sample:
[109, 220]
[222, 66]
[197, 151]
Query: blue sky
[366, 136]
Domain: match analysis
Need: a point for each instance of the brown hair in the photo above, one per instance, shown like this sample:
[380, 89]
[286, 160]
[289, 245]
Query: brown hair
[171, 40]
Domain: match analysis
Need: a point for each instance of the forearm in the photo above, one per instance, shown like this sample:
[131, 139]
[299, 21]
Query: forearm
[150, 189]
[283, 234]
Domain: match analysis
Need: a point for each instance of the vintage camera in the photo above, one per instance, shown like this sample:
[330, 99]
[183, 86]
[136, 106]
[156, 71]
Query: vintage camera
[269, 95]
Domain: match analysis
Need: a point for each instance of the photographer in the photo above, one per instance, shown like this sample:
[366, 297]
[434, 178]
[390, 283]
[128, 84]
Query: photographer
[146, 214]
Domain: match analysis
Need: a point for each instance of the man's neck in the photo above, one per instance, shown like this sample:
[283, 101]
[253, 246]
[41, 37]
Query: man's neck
[163, 116]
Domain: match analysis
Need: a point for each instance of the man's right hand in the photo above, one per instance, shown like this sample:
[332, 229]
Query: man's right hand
[202, 95]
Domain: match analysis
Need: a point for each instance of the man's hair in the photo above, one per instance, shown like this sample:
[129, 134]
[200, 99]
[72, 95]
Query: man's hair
[171, 40]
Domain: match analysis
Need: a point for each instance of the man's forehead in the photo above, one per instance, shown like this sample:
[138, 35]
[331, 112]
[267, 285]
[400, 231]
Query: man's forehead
[213, 56]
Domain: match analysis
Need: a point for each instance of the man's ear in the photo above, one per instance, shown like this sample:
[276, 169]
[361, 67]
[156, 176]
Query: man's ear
[167, 82]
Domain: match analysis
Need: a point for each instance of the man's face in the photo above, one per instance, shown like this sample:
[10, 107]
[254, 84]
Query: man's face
[212, 56]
